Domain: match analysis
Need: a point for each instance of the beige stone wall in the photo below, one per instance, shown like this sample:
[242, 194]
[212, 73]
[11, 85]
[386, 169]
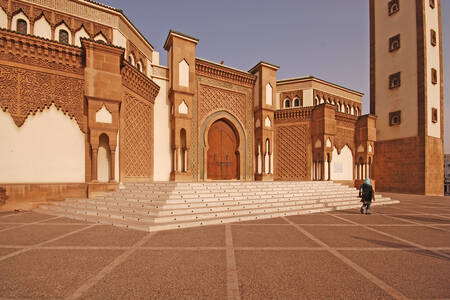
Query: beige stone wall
[48, 147]
[433, 90]
[162, 152]
[404, 60]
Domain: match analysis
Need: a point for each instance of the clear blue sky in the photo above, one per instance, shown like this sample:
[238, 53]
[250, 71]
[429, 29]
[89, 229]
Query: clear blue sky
[328, 39]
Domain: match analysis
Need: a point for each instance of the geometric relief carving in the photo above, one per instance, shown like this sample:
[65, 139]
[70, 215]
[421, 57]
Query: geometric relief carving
[138, 138]
[27, 91]
[291, 152]
[214, 99]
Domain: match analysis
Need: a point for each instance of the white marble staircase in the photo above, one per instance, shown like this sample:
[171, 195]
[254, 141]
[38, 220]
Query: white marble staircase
[168, 205]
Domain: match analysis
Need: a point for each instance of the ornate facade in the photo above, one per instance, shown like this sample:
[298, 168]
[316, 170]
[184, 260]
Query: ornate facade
[86, 105]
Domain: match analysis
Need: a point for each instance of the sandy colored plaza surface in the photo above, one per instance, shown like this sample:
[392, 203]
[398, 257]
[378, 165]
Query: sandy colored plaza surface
[400, 251]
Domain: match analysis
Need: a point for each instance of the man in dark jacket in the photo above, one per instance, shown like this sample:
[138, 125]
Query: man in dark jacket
[366, 194]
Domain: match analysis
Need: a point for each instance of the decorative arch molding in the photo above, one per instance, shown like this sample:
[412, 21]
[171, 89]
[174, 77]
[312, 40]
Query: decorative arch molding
[42, 27]
[204, 146]
[340, 147]
[79, 34]
[17, 15]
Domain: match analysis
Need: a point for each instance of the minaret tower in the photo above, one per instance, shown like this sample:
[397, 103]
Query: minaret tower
[406, 95]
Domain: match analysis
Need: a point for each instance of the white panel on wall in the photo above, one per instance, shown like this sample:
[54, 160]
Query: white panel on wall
[328, 143]
[18, 16]
[103, 115]
[182, 108]
[60, 27]
[268, 94]
[42, 28]
[103, 160]
[3, 19]
[48, 147]
[81, 33]
[100, 37]
[342, 164]
[267, 122]
[258, 123]
[119, 39]
[183, 73]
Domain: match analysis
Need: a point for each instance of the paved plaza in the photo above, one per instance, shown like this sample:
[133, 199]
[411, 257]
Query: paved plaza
[400, 251]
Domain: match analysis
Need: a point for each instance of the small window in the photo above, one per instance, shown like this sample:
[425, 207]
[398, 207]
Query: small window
[432, 3]
[395, 118]
[394, 43]
[296, 102]
[434, 115]
[433, 37]
[22, 26]
[394, 80]
[433, 76]
[63, 36]
[287, 103]
[393, 6]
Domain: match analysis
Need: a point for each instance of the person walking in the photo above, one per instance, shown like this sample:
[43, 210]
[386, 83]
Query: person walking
[366, 194]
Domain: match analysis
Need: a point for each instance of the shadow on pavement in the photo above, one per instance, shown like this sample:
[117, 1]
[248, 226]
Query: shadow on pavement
[400, 246]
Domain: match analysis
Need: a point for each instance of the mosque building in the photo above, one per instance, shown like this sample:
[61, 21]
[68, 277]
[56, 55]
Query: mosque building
[86, 105]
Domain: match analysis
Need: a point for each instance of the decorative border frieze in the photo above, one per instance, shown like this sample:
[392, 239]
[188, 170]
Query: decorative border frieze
[292, 115]
[39, 52]
[138, 82]
[216, 71]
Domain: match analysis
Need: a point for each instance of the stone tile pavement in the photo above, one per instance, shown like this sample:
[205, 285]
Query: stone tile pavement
[400, 251]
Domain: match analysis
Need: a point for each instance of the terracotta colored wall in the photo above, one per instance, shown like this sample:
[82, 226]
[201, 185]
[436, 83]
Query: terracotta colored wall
[399, 166]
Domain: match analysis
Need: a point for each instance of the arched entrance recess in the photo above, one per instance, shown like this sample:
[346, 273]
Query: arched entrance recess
[223, 154]
[240, 136]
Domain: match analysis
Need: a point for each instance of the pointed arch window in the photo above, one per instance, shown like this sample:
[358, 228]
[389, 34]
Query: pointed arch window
[287, 103]
[63, 36]
[22, 26]
[296, 102]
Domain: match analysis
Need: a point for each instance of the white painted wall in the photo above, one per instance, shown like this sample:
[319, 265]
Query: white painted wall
[162, 153]
[183, 73]
[103, 115]
[100, 37]
[119, 39]
[433, 90]
[267, 122]
[42, 28]
[308, 97]
[403, 60]
[103, 159]
[60, 27]
[3, 19]
[268, 94]
[80, 34]
[49, 147]
[182, 108]
[22, 16]
[342, 164]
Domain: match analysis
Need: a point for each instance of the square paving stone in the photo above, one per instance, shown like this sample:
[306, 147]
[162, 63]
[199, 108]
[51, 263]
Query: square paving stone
[5, 251]
[5, 226]
[425, 236]
[316, 219]
[385, 209]
[264, 221]
[416, 274]
[167, 274]
[424, 219]
[102, 235]
[31, 235]
[28, 217]
[49, 274]
[300, 275]
[372, 219]
[353, 236]
[208, 236]
[269, 236]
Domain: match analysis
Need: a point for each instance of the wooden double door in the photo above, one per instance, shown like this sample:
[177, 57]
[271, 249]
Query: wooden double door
[223, 157]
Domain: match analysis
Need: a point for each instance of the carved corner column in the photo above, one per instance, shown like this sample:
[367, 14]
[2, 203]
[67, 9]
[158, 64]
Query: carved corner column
[181, 62]
[365, 137]
[264, 126]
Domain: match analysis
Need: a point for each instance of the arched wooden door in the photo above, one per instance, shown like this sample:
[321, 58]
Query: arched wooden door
[223, 160]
